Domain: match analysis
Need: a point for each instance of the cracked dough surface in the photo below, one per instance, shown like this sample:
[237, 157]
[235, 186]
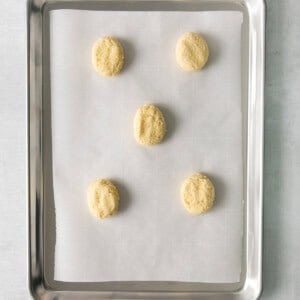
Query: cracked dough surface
[108, 56]
[103, 198]
[191, 51]
[197, 193]
[149, 125]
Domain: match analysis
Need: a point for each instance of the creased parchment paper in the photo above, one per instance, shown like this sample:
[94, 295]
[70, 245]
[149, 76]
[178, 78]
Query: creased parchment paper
[153, 237]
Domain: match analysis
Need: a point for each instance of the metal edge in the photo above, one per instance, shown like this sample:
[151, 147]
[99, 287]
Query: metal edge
[253, 283]
[35, 218]
[29, 261]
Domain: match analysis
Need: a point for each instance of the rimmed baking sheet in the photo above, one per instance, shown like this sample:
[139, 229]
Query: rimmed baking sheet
[87, 133]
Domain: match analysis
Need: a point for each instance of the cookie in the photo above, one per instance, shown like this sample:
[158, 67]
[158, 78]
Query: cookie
[197, 193]
[191, 51]
[103, 198]
[108, 56]
[149, 125]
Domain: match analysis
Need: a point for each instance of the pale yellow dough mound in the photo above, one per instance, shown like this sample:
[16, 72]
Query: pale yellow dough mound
[197, 193]
[149, 125]
[103, 198]
[108, 56]
[191, 51]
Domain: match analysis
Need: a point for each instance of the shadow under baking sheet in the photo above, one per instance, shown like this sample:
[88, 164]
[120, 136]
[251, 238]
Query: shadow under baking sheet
[277, 202]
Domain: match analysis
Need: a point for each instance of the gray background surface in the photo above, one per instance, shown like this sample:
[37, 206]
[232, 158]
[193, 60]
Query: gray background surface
[282, 163]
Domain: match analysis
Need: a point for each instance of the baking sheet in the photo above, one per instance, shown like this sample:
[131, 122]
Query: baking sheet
[153, 237]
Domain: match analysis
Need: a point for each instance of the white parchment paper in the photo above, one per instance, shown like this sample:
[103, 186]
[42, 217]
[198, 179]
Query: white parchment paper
[153, 237]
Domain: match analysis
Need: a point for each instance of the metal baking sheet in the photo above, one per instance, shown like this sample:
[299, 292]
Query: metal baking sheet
[40, 132]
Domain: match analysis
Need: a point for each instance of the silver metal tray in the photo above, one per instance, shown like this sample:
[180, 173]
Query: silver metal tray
[40, 196]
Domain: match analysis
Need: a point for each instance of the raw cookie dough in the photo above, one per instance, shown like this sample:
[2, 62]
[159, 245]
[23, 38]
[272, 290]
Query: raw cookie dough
[103, 198]
[197, 193]
[191, 51]
[149, 125]
[108, 56]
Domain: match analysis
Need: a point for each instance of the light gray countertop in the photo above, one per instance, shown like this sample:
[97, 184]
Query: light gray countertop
[281, 263]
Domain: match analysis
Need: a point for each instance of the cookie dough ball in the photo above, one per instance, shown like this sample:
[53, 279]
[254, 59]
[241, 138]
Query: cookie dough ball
[108, 56]
[191, 52]
[103, 198]
[197, 193]
[149, 125]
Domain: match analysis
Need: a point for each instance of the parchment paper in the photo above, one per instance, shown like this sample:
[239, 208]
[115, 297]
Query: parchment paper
[153, 237]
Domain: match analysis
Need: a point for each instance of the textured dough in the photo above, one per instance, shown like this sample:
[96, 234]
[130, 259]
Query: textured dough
[149, 125]
[191, 51]
[198, 193]
[108, 56]
[103, 198]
